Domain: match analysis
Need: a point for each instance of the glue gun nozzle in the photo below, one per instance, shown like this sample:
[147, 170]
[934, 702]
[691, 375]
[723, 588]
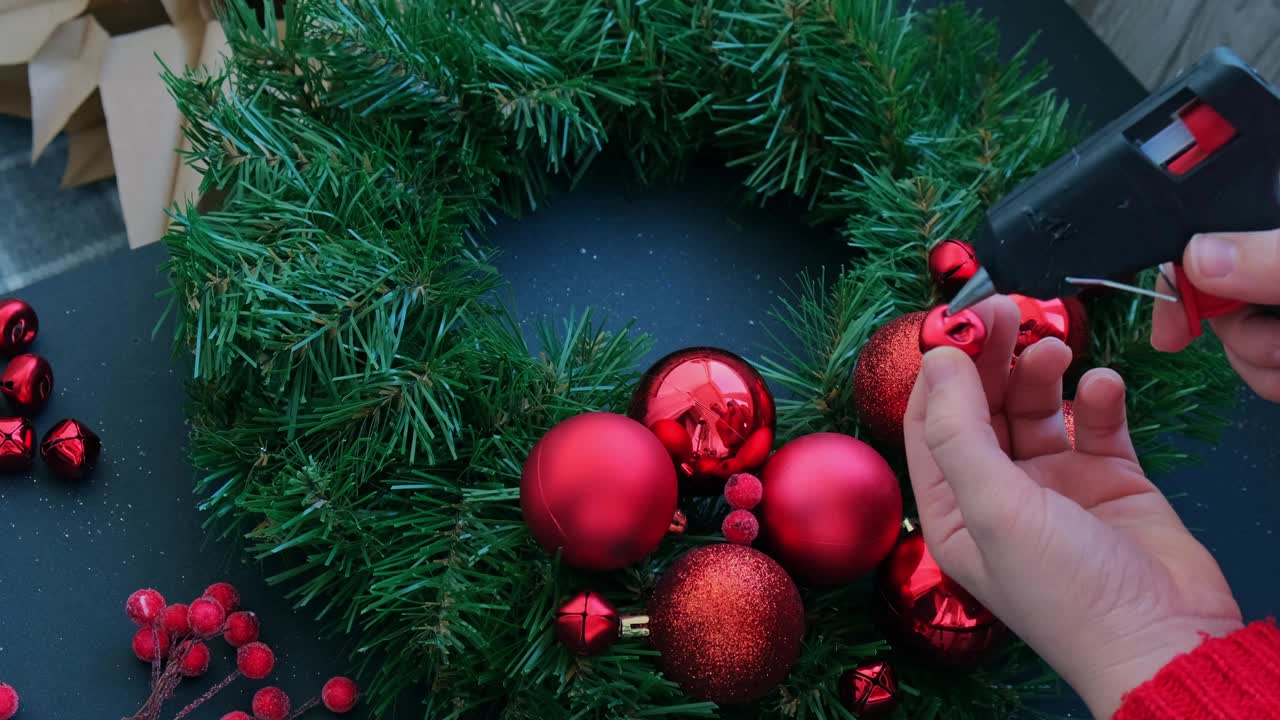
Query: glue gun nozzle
[978, 288]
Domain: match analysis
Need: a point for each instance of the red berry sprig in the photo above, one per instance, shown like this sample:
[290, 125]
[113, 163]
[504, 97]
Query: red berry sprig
[339, 695]
[8, 702]
[743, 491]
[271, 703]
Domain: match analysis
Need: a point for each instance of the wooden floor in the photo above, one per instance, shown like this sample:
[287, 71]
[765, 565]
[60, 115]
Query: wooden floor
[1157, 37]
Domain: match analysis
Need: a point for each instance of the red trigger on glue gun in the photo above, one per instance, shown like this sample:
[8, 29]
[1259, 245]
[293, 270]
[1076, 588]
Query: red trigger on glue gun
[1198, 305]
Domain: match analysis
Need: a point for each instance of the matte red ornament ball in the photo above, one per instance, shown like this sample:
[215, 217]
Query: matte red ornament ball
[587, 624]
[743, 491]
[205, 616]
[712, 411]
[340, 694]
[271, 703]
[832, 508]
[727, 621]
[241, 628]
[884, 376]
[226, 595]
[237, 715]
[922, 609]
[740, 527]
[27, 382]
[1069, 417]
[869, 690]
[196, 662]
[952, 263]
[144, 606]
[18, 326]
[8, 702]
[144, 643]
[174, 620]
[601, 487]
[17, 444]
[70, 449]
[255, 660]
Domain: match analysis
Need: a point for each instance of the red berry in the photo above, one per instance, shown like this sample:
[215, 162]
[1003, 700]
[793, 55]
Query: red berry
[196, 662]
[242, 628]
[205, 616]
[174, 620]
[740, 527]
[144, 643]
[340, 694]
[8, 702]
[270, 703]
[144, 606]
[237, 715]
[255, 660]
[743, 491]
[226, 595]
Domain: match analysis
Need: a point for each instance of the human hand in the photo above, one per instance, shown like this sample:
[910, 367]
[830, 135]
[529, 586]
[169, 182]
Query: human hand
[1074, 549]
[1240, 266]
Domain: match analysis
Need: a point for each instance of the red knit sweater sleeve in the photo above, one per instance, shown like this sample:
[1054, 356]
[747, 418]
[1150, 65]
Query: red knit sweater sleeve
[1232, 678]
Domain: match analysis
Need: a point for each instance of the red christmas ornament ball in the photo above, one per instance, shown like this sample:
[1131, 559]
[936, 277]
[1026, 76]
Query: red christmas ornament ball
[8, 702]
[18, 326]
[743, 491]
[587, 624]
[174, 620]
[1069, 417]
[144, 606]
[340, 694]
[237, 715]
[740, 527]
[26, 383]
[869, 690]
[831, 509]
[952, 263]
[964, 330]
[70, 449]
[255, 660]
[884, 376]
[226, 595]
[205, 616]
[196, 662]
[271, 703]
[923, 609]
[17, 444]
[241, 628]
[145, 641]
[601, 487]
[711, 410]
[727, 621]
[1064, 319]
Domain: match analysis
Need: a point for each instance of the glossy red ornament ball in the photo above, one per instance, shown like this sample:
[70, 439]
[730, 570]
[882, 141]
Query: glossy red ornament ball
[8, 702]
[205, 616]
[869, 690]
[18, 326]
[1064, 319]
[712, 411]
[832, 508]
[237, 715]
[26, 383]
[271, 703]
[226, 595]
[728, 622]
[70, 449]
[922, 609]
[884, 376]
[196, 662]
[587, 624]
[241, 628]
[255, 660]
[964, 330]
[740, 527]
[174, 620]
[145, 640]
[17, 444]
[601, 487]
[340, 694]
[743, 491]
[144, 606]
[952, 263]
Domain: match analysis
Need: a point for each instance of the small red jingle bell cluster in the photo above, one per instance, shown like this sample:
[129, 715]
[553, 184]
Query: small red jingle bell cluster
[69, 448]
[174, 640]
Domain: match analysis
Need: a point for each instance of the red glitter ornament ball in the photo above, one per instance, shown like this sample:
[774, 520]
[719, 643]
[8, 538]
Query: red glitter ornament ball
[205, 616]
[728, 621]
[196, 662]
[601, 487]
[144, 606]
[271, 703]
[712, 411]
[1064, 319]
[587, 624]
[226, 595]
[241, 629]
[869, 690]
[18, 326]
[740, 527]
[237, 715]
[70, 449]
[340, 694]
[8, 702]
[144, 643]
[255, 660]
[174, 620]
[963, 330]
[952, 263]
[884, 376]
[832, 508]
[17, 444]
[1069, 417]
[26, 383]
[743, 491]
[922, 609]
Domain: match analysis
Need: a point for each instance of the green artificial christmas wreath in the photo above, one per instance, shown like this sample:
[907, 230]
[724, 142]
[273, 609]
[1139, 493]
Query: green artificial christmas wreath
[362, 404]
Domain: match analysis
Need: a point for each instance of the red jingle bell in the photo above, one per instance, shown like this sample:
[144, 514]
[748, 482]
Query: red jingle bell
[17, 444]
[952, 263]
[70, 449]
[924, 610]
[1064, 319]
[588, 624]
[18, 326]
[869, 690]
[27, 383]
[711, 410]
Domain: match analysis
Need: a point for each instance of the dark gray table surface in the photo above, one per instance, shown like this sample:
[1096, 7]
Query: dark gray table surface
[687, 261]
